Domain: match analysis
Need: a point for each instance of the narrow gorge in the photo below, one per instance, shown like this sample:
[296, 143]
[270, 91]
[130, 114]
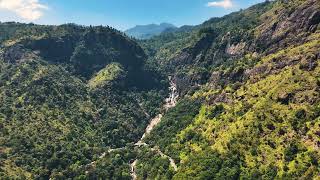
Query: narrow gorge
[170, 102]
[235, 97]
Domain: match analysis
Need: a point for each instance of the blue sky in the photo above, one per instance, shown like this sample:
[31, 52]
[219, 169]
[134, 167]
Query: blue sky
[121, 14]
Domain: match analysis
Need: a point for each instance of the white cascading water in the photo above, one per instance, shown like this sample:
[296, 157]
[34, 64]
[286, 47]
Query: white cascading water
[170, 102]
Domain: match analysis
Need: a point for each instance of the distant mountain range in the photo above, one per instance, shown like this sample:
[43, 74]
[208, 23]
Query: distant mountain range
[150, 30]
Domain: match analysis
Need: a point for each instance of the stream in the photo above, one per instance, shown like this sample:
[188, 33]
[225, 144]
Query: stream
[170, 102]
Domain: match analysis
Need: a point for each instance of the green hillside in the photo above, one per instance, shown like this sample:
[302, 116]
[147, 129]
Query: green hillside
[256, 75]
[67, 93]
[75, 100]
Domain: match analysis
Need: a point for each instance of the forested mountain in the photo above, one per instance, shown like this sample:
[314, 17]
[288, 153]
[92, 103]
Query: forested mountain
[150, 30]
[249, 85]
[76, 100]
[67, 93]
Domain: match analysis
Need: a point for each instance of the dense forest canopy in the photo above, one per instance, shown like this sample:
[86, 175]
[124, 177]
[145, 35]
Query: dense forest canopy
[67, 93]
[76, 99]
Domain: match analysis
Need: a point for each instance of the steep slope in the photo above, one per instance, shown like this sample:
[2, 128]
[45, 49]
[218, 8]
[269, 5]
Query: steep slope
[67, 93]
[75, 100]
[150, 30]
[255, 77]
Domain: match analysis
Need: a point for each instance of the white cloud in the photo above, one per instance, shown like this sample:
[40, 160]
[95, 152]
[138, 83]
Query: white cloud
[224, 3]
[26, 9]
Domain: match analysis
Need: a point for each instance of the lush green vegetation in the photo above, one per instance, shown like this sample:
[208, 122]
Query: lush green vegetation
[151, 165]
[249, 104]
[67, 93]
[259, 96]
[115, 165]
[175, 120]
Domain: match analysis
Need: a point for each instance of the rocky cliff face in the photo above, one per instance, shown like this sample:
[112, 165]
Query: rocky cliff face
[258, 83]
[287, 24]
[283, 25]
[244, 103]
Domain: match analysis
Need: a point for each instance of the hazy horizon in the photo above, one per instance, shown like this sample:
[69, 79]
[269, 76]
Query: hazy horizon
[121, 14]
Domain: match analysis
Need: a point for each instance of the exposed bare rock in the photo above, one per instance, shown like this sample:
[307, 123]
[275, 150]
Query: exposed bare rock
[308, 64]
[133, 169]
[236, 49]
[215, 79]
[220, 98]
[182, 59]
[277, 64]
[253, 73]
[17, 54]
[287, 27]
[183, 83]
